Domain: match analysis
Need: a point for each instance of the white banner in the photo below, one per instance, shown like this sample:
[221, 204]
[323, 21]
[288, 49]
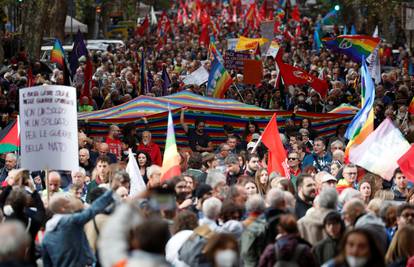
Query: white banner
[197, 77]
[49, 128]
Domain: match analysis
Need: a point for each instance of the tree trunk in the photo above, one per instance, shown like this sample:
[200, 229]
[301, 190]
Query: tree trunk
[58, 13]
[35, 20]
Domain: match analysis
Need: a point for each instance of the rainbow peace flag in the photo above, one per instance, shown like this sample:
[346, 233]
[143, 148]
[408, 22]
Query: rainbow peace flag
[354, 46]
[363, 123]
[57, 55]
[213, 49]
[171, 160]
[219, 80]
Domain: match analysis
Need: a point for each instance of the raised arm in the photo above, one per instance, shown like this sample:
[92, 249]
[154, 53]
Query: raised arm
[182, 121]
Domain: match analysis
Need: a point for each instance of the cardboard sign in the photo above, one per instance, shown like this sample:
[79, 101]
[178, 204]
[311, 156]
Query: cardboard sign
[235, 60]
[49, 128]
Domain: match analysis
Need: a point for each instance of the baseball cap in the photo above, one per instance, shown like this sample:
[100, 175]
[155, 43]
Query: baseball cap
[255, 136]
[328, 177]
[251, 145]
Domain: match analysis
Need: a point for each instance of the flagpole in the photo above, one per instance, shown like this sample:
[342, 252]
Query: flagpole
[238, 91]
[257, 144]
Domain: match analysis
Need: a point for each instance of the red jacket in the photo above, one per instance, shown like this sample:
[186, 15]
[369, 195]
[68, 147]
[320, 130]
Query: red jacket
[153, 150]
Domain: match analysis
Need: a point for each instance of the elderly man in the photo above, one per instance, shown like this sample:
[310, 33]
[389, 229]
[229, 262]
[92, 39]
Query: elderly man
[10, 164]
[151, 148]
[103, 150]
[211, 210]
[275, 200]
[85, 162]
[54, 183]
[67, 224]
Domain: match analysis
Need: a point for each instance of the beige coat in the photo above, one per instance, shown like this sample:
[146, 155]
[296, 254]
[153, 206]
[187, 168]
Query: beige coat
[311, 225]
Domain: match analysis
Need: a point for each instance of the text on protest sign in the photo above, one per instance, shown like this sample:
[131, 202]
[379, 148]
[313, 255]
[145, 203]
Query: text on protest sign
[48, 128]
[235, 60]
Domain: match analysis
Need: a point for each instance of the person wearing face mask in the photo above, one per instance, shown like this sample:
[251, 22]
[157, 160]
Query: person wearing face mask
[222, 250]
[358, 249]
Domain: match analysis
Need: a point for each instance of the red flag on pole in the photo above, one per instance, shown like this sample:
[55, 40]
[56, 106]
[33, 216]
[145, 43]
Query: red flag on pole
[276, 152]
[406, 163]
[296, 76]
[204, 36]
[295, 13]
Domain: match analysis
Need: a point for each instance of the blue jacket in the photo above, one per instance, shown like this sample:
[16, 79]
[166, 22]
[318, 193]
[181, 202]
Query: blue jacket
[320, 163]
[65, 243]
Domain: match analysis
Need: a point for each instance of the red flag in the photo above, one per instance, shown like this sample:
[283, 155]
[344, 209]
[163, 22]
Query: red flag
[204, 36]
[263, 11]
[295, 13]
[276, 152]
[297, 76]
[30, 78]
[234, 17]
[406, 163]
[205, 18]
[87, 79]
[142, 29]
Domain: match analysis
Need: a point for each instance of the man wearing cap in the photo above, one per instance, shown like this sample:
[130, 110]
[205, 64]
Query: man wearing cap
[326, 180]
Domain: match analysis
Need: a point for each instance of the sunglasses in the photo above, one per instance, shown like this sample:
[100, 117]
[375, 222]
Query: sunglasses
[292, 158]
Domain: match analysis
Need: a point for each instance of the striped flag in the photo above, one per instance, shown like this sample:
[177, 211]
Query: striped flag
[57, 55]
[171, 160]
[10, 137]
[219, 80]
[213, 49]
[363, 122]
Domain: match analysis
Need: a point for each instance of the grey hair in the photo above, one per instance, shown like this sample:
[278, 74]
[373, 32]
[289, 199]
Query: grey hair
[214, 178]
[256, 204]
[212, 208]
[328, 198]
[337, 142]
[12, 155]
[85, 150]
[347, 194]
[275, 198]
[14, 240]
[152, 169]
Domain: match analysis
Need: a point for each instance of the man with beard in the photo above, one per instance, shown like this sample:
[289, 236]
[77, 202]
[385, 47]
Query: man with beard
[113, 141]
[306, 194]
[151, 148]
[198, 139]
[252, 165]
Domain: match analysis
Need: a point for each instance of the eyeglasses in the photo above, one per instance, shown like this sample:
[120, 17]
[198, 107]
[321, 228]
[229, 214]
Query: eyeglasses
[351, 173]
[292, 158]
[408, 215]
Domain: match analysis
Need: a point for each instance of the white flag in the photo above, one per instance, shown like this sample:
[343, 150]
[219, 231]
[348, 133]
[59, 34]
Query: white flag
[137, 183]
[381, 150]
[373, 60]
[153, 17]
[198, 77]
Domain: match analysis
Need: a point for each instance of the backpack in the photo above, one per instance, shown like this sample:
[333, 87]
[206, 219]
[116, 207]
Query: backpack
[192, 250]
[300, 248]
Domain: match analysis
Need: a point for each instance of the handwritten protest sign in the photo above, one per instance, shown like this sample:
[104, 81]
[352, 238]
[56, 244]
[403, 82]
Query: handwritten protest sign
[48, 128]
[235, 60]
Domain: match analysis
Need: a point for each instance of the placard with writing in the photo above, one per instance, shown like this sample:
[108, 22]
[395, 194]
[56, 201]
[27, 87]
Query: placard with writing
[48, 128]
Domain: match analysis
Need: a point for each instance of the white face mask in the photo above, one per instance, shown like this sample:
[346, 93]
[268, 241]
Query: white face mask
[225, 258]
[356, 261]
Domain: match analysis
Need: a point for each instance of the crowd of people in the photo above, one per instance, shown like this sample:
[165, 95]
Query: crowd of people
[225, 209]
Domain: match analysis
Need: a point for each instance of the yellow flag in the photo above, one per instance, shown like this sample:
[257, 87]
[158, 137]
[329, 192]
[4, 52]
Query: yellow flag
[245, 43]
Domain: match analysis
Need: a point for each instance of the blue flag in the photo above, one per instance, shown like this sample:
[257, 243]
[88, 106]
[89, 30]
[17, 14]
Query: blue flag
[79, 49]
[345, 30]
[317, 43]
[353, 30]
